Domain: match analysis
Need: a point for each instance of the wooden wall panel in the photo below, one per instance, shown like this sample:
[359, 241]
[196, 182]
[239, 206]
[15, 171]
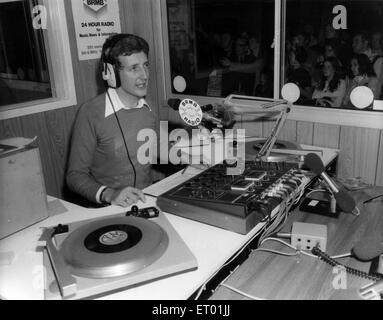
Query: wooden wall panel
[11, 128]
[359, 153]
[326, 135]
[379, 169]
[288, 131]
[305, 132]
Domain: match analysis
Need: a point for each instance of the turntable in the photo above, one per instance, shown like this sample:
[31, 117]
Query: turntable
[281, 151]
[95, 257]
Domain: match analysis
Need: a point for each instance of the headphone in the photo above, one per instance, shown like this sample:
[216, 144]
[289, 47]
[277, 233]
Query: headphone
[110, 72]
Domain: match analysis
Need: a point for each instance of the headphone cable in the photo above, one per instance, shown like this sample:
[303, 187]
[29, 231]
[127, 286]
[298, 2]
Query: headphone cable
[123, 137]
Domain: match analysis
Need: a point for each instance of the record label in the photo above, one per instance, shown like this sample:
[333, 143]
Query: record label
[113, 238]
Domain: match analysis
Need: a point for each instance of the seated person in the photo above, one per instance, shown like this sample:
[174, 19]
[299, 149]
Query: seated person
[332, 49]
[103, 165]
[331, 89]
[240, 69]
[104, 162]
[362, 74]
[265, 87]
[299, 75]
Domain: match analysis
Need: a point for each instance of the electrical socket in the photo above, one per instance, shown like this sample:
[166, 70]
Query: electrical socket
[306, 236]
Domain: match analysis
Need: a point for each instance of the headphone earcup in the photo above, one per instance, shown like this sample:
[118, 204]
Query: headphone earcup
[109, 75]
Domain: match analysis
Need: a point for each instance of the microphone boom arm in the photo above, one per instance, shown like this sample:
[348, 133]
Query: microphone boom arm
[264, 153]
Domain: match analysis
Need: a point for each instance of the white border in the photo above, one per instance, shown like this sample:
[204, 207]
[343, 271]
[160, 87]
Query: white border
[62, 78]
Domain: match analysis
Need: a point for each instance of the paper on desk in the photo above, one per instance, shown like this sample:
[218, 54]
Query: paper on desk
[56, 207]
[16, 143]
[6, 258]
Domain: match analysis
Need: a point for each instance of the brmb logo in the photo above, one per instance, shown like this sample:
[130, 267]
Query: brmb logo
[95, 5]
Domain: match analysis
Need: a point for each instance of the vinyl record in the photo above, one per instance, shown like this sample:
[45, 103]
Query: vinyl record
[113, 238]
[113, 247]
[252, 149]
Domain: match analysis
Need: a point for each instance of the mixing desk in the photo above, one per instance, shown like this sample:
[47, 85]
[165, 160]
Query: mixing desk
[235, 202]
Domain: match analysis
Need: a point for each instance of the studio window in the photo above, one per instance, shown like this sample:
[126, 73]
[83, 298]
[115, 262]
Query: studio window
[35, 62]
[332, 47]
[222, 46]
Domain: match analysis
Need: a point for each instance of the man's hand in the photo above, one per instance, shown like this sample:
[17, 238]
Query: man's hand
[124, 197]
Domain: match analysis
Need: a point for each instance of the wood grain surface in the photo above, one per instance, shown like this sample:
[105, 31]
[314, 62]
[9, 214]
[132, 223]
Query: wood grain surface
[272, 276]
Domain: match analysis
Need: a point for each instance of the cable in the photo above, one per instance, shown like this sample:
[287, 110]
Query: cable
[277, 252]
[301, 251]
[373, 198]
[203, 286]
[123, 137]
[323, 256]
[240, 292]
[317, 190]
[345, 255]
[150, 195]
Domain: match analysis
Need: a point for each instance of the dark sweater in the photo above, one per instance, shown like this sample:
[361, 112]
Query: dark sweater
[98, 155]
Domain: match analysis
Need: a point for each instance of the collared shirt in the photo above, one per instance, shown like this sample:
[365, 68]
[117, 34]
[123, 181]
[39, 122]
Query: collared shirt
[113, 103]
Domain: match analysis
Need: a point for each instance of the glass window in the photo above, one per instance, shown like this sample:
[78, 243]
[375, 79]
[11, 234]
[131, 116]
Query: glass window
[36, 73]
[332, 47]
[24, 74]
[222, 47]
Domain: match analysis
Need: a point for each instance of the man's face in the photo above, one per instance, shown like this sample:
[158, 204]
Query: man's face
[241, 47]
[376, 40]
[358, 45]
[134, 74]
[328, 70]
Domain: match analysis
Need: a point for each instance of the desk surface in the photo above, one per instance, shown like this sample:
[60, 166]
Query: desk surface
[23, 276]
[271, 276]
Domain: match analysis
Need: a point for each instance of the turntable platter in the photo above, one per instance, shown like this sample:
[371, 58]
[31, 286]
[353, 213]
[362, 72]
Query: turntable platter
[252, 149]
[113, 247]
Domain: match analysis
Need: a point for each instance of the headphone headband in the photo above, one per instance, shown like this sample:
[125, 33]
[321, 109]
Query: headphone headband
[108, 47]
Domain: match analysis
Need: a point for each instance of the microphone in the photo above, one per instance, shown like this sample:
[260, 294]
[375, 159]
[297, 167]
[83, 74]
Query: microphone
[192, 113]
[343, 198]
[368, 248]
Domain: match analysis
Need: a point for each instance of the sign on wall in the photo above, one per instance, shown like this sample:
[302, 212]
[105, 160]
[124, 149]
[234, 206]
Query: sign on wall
[95, 21]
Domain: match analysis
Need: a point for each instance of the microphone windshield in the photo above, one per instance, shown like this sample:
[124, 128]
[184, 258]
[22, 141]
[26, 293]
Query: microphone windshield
[314, 163]
[344, 200]
[174, 103]
[368, 248]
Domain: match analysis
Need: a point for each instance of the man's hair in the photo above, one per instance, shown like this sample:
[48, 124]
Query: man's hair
[122, 45]
[364, 36]
[301, 55]
[364, 65]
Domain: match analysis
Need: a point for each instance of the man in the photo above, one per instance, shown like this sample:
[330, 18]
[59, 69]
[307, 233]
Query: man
[103, 165]
[240, 69]
[361, 44]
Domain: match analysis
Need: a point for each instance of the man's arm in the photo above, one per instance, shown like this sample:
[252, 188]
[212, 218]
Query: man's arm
[83, 146]
[79, 178]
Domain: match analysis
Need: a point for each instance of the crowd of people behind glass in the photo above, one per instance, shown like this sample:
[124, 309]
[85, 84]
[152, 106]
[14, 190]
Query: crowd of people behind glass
[326, 65]
[329, 66]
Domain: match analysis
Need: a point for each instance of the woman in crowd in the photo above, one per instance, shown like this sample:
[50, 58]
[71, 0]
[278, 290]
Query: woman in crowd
[299, 75]
[331, 89]
[362, 74]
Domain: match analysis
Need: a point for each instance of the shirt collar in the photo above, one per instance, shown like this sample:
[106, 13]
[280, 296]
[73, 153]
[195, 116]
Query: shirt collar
[112, 100]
